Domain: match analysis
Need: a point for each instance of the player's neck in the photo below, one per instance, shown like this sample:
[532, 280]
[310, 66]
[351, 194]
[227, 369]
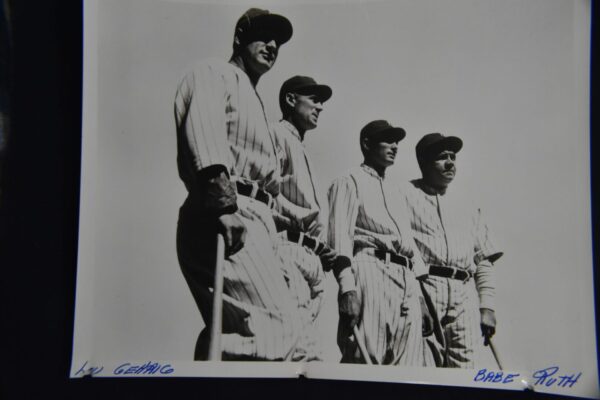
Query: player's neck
[380, 169]
[301, 132]
[238, 61]
[432, 188]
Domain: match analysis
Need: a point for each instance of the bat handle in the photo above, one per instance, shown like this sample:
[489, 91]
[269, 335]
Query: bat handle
[361, 345]
[495, 353]
[214, 352]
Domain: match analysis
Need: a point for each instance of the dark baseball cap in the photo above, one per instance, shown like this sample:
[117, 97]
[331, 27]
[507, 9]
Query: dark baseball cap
[258, 24]
[381, 130]
[434, 143]
[304, 85]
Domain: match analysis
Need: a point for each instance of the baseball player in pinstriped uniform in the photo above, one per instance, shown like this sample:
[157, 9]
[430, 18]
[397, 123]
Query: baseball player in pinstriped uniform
[301, 219]
[228, 161]
[455, 242]
[367, 222]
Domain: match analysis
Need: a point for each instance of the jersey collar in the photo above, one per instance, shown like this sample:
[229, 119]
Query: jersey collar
[291, 128]
[369, 170]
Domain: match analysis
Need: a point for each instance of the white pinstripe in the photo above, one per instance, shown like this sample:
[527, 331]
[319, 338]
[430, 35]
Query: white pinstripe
[362, 219]
[450, 233]
[298, 201]
[220, 120]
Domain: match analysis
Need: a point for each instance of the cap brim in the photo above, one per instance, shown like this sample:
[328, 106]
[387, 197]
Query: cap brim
[451, 143]
[390, 134]
[323, 92]
[278, 24]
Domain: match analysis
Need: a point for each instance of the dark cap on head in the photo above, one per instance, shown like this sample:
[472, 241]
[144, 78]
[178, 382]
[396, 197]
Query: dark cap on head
[255, 24]
[381, 130]
[433, 143]
[303, 85]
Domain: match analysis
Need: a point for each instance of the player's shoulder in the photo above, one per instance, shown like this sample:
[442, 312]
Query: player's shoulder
[278, 128]
[405, 186]
[410, 187]
[214, 66]
[347, 179]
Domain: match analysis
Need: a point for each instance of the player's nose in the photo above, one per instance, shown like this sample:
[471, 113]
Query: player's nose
[271, 44]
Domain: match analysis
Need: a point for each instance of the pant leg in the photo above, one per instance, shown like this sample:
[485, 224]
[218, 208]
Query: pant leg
[463, 332]
[391, 318]
[260, 316]
[305, 278]
[436, 293]
[409, 345]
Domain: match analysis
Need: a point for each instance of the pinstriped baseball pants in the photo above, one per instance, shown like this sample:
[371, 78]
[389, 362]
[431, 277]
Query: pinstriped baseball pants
[261, 319]
[457, 311]
[391, 320]
[306, 280]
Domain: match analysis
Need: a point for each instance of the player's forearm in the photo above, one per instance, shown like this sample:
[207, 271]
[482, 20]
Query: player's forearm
[294, 212]
[485, 281]
[216, 194]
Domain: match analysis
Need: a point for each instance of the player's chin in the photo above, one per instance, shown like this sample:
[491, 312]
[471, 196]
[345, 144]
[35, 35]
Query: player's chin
[448, 178]
[264, 65]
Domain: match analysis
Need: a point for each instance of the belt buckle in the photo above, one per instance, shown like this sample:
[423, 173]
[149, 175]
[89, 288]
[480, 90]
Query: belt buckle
[254, 189]
[314, 249]
[454, 271]
[270, 202]
[406, 260]
[301, 238]
[388, 257]
[467, 277]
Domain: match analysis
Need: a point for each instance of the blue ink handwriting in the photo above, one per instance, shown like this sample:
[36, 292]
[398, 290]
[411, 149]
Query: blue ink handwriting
[149, 368]
[91, 371]
[548, 377]
[483, 375]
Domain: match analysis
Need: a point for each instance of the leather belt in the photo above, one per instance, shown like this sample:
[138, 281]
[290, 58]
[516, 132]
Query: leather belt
[252, 190]
[393, 257]
[340, 263]
[306, 241]
[450, 272]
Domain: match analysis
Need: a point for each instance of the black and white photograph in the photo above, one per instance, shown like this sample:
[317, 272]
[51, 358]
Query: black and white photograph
[368, 190]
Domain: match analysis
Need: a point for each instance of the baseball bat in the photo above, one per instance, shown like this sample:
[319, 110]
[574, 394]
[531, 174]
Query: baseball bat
[494, 352]
[214, 352]
[361, 346]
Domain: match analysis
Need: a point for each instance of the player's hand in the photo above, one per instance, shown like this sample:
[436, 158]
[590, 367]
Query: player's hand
[427, 318]
[328, 258]
[234, 233]
[488, 323]
[349, 307]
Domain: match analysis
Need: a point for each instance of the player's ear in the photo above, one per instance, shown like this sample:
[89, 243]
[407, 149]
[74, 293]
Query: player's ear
[364, 146]
[290, 99]
[365, 143]
[236, 42]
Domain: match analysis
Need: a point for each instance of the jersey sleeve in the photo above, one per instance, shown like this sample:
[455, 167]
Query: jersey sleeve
[201, 117]
[485, 247]
[343, 212]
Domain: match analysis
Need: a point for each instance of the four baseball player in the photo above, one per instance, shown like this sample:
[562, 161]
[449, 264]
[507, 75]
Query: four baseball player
[414, 266]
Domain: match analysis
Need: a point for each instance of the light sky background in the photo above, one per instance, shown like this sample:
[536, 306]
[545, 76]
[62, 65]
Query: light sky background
[508, 77]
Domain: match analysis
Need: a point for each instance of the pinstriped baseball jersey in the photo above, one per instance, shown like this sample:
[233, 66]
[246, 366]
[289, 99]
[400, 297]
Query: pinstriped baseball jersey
[451, 233]
[220, 120]
[373, 222]
[447, 231]
[364, 216]
[297, 184]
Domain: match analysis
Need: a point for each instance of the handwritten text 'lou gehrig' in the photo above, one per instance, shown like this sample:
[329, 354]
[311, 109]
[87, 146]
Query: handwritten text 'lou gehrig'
[148, 368]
